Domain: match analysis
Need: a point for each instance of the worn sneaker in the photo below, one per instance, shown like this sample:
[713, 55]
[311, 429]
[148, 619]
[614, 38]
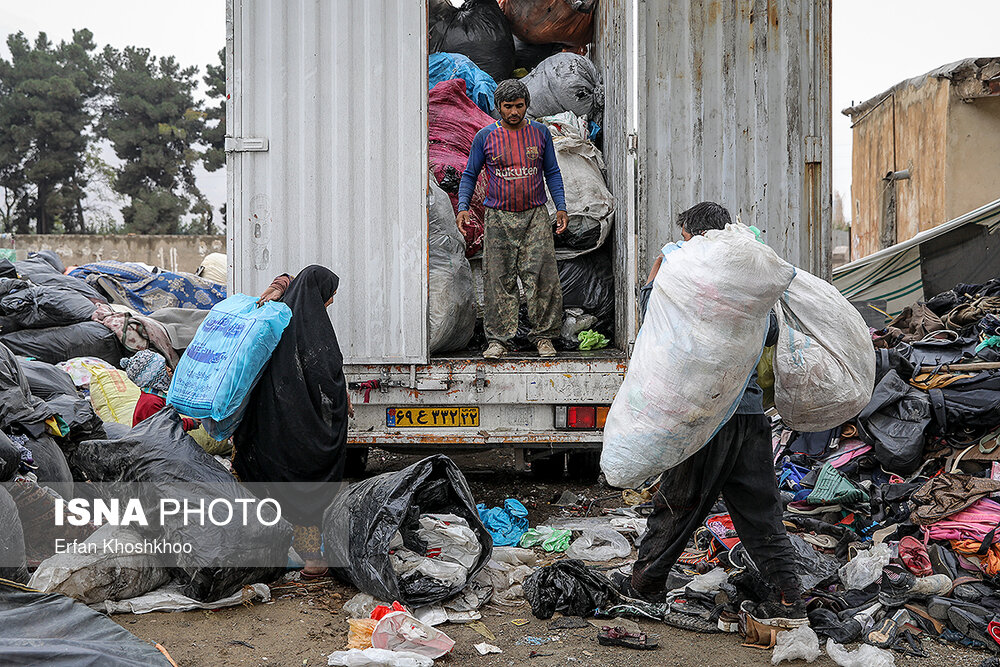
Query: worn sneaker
[494, 351]
[623, 584]
[545, 348]
[782, 614]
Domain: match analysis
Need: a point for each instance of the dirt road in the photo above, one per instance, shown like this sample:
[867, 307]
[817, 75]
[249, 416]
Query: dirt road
[304, 623]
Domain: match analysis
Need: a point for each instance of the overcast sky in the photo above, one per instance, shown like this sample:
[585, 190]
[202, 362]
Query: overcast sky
[875, 44]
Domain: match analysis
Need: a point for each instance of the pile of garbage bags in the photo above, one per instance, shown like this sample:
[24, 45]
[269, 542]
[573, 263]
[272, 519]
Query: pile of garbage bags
[472, 51]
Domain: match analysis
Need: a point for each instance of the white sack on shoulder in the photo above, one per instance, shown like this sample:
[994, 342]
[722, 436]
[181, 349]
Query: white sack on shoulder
[701, 339]
[824, 361]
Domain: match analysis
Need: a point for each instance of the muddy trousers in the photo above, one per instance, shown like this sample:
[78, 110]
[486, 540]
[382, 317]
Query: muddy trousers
[737, 464]
[519, 244]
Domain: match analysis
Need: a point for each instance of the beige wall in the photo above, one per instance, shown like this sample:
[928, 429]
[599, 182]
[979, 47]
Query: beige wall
[920, 145]
[973, 155]
[173, 253]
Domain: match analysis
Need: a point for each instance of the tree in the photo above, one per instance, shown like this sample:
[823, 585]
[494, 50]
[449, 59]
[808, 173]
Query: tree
[154, 125]
[47, 95]
[215, 130]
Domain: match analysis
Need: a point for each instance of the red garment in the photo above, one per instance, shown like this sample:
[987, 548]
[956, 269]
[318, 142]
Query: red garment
[150, 404]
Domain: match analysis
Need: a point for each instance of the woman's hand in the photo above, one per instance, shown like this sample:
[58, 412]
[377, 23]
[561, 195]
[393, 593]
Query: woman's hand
[272, 293]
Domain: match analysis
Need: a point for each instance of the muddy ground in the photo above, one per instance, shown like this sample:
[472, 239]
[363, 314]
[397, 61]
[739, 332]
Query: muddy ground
[304, 623]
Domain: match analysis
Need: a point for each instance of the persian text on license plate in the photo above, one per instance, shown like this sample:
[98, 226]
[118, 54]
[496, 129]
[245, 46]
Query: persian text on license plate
[431, 417]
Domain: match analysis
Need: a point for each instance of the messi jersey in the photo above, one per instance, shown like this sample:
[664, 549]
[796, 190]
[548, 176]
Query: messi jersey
[516, 161]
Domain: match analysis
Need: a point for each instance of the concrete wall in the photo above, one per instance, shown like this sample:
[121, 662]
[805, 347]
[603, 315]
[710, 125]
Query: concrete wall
[170, 252]
[973, 155]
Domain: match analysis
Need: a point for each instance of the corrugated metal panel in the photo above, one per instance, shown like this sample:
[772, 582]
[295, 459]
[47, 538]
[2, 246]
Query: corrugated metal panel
[735, 108]
[614, 51]
[339, 90]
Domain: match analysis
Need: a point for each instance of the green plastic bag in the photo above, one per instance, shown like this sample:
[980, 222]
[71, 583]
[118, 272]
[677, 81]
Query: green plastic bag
[549, 539]
[591, 340]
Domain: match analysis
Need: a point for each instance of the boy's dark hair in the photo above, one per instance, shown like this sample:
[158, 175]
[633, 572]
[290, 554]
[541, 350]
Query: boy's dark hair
[702, 217]
[510, 90]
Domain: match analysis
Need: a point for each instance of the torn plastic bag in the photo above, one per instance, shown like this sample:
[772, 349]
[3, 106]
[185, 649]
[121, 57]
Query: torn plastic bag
[478, 29]
[570, 588]
[565, 82]
[824, 362]
[479, 86]
[716, 287]
[893, 423]
[169, 598]
[18, 407]
[41, 272]
[57, 344]
[796, 644]
[866, 655]
[41, 307]
[865, 568]
[101, 572]
[13, 565]
[158, 453]
[57, 631]
[451, 307]
[399, 631]
[450, 538]
[543, 21]
[599, 545]
[225, 360]
[377, 657]
[360, 524]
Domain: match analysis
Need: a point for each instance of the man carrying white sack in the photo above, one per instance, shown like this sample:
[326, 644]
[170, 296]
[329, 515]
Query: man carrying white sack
[736, 463]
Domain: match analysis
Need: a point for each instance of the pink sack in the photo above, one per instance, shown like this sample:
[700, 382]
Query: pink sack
[452, 123]
[399, 631]
[973, 523]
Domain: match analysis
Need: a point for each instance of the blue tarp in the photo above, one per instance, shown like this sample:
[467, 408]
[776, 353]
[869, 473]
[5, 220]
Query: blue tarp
[479, 86]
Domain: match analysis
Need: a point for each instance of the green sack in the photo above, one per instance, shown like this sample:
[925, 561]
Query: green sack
[549, 539]
[591, 340]
[833, 488]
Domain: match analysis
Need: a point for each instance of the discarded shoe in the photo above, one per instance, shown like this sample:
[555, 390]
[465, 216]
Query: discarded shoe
[883, 634]
[914, 556]
[969, 624]
[494, 351]
[545, 348]
[609, 636]
[943, 560]
[826, 623]
[623, 584]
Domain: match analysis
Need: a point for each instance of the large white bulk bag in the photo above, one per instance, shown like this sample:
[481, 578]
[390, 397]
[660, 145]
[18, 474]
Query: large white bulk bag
[702, 337]
[824, 362]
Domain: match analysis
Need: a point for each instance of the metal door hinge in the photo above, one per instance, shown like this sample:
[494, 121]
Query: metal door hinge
[814, 149]
[480, 383]
[633, 143]
[246, 144]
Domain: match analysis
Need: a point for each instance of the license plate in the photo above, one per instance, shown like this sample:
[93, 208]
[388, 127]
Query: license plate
[431, 417]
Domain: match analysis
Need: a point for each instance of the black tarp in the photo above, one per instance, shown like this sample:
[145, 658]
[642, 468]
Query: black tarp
[361, 522]
[170, 464]
[58, 344]
[967, 254]
[57, 631]
[26, 307]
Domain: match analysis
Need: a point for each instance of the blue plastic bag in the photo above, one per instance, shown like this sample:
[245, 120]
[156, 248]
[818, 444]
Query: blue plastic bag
[225, 360]
[479, 86]
[506, 524]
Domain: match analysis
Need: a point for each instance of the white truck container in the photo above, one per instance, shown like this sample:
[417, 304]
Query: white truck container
[327, 164]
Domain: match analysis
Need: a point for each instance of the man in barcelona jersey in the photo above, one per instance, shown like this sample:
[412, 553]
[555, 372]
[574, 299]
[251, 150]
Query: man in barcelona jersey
[517, 154]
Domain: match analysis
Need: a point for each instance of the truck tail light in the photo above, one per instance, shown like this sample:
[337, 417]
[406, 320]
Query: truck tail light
[581, 417]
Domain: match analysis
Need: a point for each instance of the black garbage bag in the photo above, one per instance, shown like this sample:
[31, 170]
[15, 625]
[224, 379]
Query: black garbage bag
[528, 56]
[969, 402]
[39, 271]
[51, 467]
[18, 406]
[893, 423]
[45, 380]
[57, 631]
[51, 257]
[814, 568]
[36, 506]
[588, 283]
[13, 565]
[58, 344]
[570, 588]
[360, 523]
[10, 458]
[170, 464]
[478, 30]
[42, 307]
